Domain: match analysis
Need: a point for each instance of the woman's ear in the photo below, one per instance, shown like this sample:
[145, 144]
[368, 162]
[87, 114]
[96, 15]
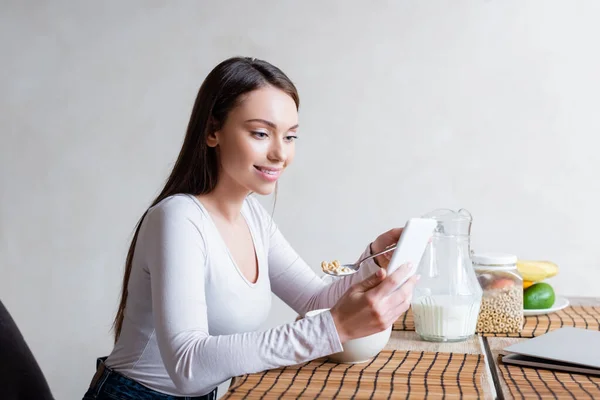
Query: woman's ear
[212, 139]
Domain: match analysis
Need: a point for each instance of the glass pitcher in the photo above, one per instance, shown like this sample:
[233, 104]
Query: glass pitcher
[447, 298]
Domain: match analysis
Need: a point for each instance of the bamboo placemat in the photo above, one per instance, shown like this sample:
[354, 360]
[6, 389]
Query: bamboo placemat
[406, 322]
[587, 317]
[530, 383]
[388, 375]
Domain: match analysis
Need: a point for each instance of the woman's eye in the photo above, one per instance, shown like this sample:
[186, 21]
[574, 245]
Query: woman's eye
[291, 138]
[259, 135]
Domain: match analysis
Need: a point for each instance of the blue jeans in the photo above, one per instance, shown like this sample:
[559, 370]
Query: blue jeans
[111, 385]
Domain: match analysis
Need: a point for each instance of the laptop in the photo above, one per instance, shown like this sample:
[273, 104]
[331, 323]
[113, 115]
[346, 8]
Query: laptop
[564, 349]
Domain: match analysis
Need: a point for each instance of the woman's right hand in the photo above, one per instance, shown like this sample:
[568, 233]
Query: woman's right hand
[372, 305]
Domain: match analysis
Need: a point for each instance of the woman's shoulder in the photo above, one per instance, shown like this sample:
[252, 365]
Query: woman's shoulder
[178, 206]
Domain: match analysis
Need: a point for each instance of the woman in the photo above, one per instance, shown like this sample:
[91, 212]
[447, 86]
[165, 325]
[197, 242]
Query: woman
[206, 256]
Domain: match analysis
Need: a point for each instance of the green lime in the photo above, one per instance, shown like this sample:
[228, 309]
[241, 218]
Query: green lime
[538, 296]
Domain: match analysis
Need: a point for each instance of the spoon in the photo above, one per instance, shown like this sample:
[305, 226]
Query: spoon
[353, 268]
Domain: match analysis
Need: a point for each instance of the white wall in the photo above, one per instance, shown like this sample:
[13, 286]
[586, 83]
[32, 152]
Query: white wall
[406, 107]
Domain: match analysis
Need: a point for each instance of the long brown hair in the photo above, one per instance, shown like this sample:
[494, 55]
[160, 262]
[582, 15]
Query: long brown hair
[197, 167]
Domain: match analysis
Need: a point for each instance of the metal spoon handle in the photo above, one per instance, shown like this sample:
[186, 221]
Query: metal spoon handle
[389, 248]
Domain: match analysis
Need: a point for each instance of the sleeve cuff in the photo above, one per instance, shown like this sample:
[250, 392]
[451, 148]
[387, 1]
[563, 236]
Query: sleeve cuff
[335, 345]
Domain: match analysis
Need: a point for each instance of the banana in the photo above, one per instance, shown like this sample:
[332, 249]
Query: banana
[536, 271]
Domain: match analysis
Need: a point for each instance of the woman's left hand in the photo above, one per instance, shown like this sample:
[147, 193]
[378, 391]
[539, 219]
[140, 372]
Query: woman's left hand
[387, 239]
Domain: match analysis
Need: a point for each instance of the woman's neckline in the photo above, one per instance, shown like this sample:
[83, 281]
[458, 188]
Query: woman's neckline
[222, 241]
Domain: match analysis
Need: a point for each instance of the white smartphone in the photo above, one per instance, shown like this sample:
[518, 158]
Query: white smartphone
[411, 245]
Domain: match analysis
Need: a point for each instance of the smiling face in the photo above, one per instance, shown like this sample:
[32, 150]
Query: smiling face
[256, 141]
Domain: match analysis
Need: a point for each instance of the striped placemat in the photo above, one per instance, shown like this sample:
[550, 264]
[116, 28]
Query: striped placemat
[390, 374]
[406, 322]
[537, 383]
[587, 317]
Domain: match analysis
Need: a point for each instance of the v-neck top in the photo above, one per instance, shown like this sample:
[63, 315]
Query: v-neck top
[192, 318]
[257, 240]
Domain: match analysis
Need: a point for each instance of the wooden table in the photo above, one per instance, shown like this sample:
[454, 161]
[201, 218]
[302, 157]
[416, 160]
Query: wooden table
[492, 384]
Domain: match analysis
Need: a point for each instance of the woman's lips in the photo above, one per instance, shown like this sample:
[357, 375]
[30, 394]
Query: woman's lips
[269, 174]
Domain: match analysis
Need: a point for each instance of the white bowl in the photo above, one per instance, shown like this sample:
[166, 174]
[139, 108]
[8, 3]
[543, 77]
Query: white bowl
[358, 350]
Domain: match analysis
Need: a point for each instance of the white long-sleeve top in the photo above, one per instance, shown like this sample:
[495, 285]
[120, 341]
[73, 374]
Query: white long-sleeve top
[192, 317]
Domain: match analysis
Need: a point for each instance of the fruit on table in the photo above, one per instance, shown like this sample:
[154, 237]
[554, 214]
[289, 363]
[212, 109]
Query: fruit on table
[536, 271]
[538, 296]
[526, 284]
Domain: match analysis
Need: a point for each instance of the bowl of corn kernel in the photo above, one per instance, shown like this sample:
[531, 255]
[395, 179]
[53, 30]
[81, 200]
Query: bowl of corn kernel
[358, 350]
